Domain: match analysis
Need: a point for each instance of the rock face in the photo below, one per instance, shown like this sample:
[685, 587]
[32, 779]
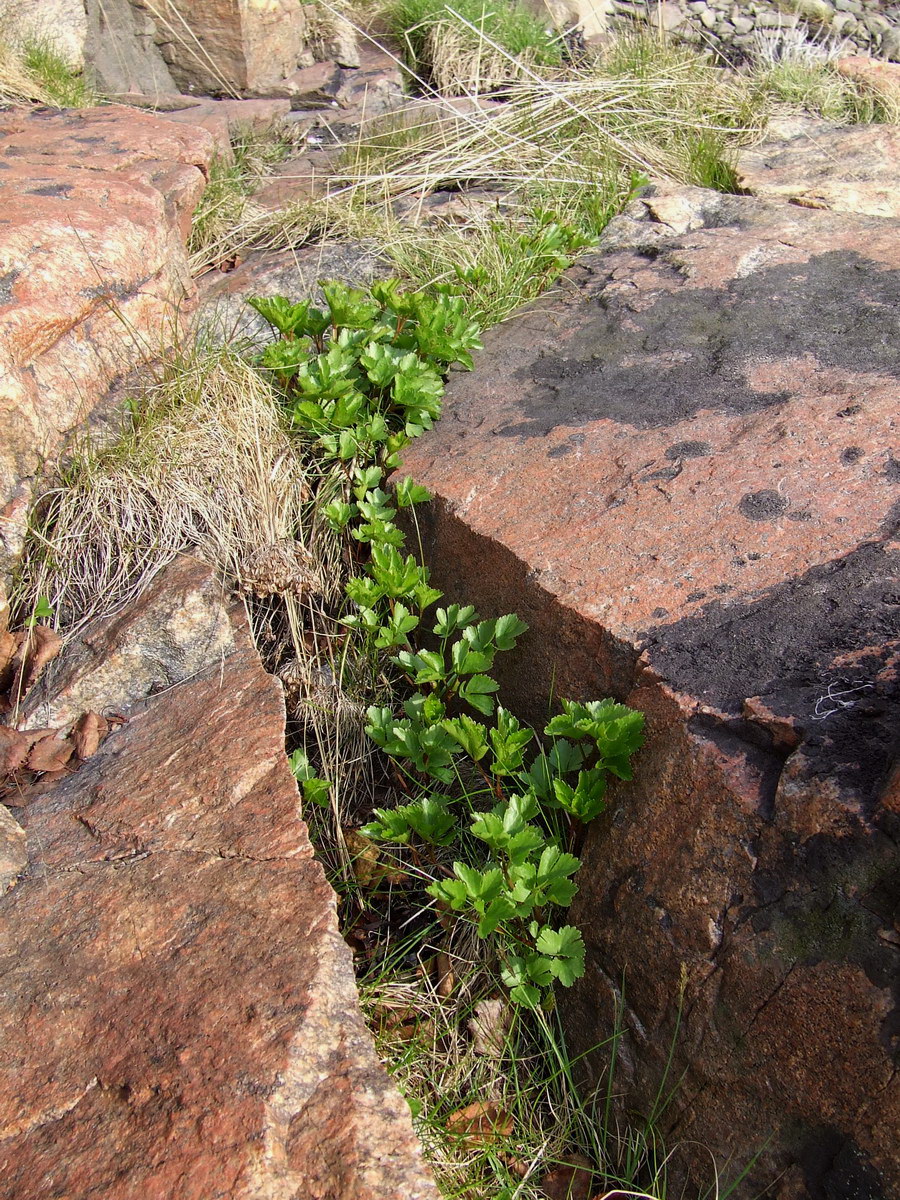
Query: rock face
[94, 209]
[231, 46]
[178, 1012]
[224, 312]
[819, 165]
[121, 49]
[683, 474]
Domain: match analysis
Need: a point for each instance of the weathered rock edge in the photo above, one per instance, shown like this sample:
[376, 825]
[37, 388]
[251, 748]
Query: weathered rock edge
[179, 1015]
[679, 472]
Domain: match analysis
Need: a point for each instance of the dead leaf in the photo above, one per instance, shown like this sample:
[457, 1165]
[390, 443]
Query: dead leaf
[367, 863]
[14, 747]
[50, 752]
[9, 648]
[480, 1122]
[489, 1026]
[571, 1181]
[446, 978]
[87, 734]
[39, 646]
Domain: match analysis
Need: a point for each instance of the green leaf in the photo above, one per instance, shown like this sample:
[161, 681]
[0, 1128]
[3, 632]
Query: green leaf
[395, 631]
[477, 691]
[390, 825]
[585, 800]
[315, 790]
[467, 661]
[449, 620]
[564, 950]
[498, 910]
[431, 820]
[409, 493]
[508, 630]
[509, 739]
[552, 879]
[470, 734]
[280, 313]
[349, 307]
[451, 891]
[337, 514]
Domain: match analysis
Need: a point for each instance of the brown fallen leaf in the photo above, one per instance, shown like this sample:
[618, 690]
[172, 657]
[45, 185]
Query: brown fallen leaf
[366, 859]
[9, 648]
[446, 977]
[14, 748]
[87, 734]
[50, 752]
[571, 1181]
[480, 1122]
[39, 646]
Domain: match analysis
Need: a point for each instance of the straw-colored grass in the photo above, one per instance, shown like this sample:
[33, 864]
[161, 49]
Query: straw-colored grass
[203, 464]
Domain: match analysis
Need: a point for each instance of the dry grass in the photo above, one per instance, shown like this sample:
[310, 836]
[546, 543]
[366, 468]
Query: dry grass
[205, 465]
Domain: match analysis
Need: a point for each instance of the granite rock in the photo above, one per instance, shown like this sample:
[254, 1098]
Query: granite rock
[683, 474]
[178, 1013]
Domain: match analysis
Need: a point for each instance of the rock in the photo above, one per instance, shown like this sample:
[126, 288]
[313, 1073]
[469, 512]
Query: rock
[590, 16]
[304, 177]
[223, 118]
[666, 16]
[61, 24]
[890, 45]
[95, 207]
[13, 856]
[882, 77]
[234, 47]
[121, 50]
[179, 1015]
[819, 11]
[813, 163]
[682, 473]
[224, 311]
[174, 630]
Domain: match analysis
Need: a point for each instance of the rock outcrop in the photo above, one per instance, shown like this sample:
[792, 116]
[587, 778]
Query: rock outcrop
[179, 1015]
[683, 473]
[817, 164]
[96, 206]
[231, 46]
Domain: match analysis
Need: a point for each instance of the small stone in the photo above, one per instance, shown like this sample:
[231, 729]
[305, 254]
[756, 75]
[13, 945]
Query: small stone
[877, 25]
[890, 45]
[708, 18]
[843, 24]
[742, 24]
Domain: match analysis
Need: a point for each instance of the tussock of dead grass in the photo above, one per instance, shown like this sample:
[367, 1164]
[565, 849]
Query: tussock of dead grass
[205, 465]
[17, 84]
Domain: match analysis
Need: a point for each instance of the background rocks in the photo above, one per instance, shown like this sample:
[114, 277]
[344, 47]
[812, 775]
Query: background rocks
[735, 29]
[819, 165]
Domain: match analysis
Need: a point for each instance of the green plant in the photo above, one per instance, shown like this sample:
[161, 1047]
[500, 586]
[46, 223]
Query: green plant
[65, 87]
[362, 377]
